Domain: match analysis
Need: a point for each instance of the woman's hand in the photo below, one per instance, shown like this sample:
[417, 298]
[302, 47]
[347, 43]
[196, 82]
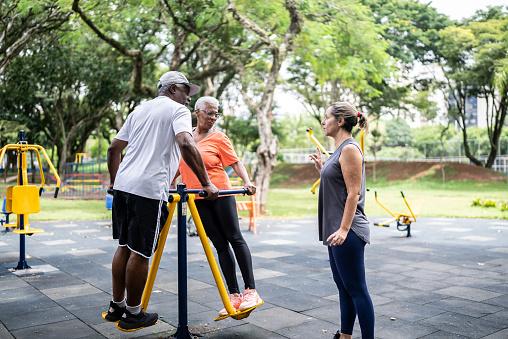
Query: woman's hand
[337, 238]
[316, 158]
[251, 189]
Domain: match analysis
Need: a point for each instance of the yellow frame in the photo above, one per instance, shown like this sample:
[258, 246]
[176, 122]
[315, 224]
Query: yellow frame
[21, 149]
[209, 255]
[403, 218]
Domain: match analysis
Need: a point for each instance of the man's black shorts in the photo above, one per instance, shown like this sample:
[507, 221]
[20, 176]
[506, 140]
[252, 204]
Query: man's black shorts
[137, 222]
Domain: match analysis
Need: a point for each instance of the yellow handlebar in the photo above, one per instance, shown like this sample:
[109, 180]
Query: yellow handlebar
[312, 138]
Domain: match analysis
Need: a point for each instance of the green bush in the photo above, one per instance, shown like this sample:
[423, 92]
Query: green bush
[476, 202]
[488, 203]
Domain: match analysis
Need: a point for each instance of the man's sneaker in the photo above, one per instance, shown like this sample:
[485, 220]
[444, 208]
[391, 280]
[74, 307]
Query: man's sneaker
[236, 300]
[250, 299]
[114, 312]
[133, 322]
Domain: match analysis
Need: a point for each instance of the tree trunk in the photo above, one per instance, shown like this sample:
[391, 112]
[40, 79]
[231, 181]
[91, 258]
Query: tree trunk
[496, 134]
[264, 172]
[467, 150]
[266, 154]
[62, 156]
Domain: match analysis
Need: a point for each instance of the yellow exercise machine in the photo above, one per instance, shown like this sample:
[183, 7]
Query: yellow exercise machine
[24, 199]
[315, 141]
[403, 220]
[177, 201]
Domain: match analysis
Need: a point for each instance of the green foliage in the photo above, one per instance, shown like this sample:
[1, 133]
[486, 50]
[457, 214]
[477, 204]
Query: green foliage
[62, 90]
[411, 30]
[397, 133]
[423, 104]
[486, 203]
[292, 131]
[410, 27]
[375, 143]
[473, 58]
[338, 52]
[476, 202]
[434, 140]
[400, 153]
[503, 206]
[243, 132]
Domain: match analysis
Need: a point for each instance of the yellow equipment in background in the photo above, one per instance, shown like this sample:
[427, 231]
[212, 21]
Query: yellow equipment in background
[24, 198]
[312, 138]
[403, 220]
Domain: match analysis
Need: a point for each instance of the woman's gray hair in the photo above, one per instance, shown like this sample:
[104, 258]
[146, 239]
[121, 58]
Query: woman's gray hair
[202, 102]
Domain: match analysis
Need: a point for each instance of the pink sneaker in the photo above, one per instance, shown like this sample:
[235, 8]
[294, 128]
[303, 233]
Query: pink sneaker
[236, 299]
[250, 299]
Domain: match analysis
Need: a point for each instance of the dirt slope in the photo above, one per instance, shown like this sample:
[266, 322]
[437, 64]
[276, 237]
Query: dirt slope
[291, 175]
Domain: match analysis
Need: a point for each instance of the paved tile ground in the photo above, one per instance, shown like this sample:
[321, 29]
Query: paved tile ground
[450, 280]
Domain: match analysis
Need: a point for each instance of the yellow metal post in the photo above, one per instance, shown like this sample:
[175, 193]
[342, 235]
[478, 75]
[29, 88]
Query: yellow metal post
[209, 255]
[362, 140]
[312, 138]
[154, 266]
[50, 164]
[395, 215]
[315, 186]
[408, 206]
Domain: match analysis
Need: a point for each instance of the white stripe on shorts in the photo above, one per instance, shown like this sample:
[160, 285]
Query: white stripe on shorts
[158, 226]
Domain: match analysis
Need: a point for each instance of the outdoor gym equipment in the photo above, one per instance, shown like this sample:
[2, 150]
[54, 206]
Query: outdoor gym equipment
[24, 199]
[180, 199]
[403, 220]
[315, 141]
[312, 138]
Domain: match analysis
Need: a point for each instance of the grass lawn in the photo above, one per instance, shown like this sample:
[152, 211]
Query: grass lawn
[427, 198]
[68, 210]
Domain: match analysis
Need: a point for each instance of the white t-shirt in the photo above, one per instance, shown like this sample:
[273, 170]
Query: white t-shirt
[152, 156]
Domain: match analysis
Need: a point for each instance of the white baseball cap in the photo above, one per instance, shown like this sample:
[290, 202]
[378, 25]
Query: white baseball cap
[174, 77]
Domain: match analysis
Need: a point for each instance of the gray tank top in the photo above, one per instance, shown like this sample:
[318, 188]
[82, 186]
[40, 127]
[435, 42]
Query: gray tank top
[332, 198]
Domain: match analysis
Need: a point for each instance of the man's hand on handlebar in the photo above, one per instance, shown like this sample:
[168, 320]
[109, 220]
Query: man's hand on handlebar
[212, 192]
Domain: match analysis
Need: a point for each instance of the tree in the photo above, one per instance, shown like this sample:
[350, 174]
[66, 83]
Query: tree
[159, 35]
[474, 64]
[397, 133]
[62, 90]
[373, 146]
[277, 43]
[411, 30]
[23, 20]
[338, 56]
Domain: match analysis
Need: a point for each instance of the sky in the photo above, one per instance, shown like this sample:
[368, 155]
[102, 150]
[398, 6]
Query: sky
[459, 9]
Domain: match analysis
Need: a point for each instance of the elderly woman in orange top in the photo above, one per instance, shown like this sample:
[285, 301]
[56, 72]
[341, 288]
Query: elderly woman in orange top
[219, 217]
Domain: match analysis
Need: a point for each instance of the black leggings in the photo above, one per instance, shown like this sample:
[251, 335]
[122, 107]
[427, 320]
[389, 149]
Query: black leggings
[347, 263]
[220, 221]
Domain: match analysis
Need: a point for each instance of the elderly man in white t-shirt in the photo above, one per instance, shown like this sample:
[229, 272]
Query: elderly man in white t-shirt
[156, 133]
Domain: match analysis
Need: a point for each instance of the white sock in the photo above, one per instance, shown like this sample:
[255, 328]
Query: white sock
[120, 303]
[134, 309]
